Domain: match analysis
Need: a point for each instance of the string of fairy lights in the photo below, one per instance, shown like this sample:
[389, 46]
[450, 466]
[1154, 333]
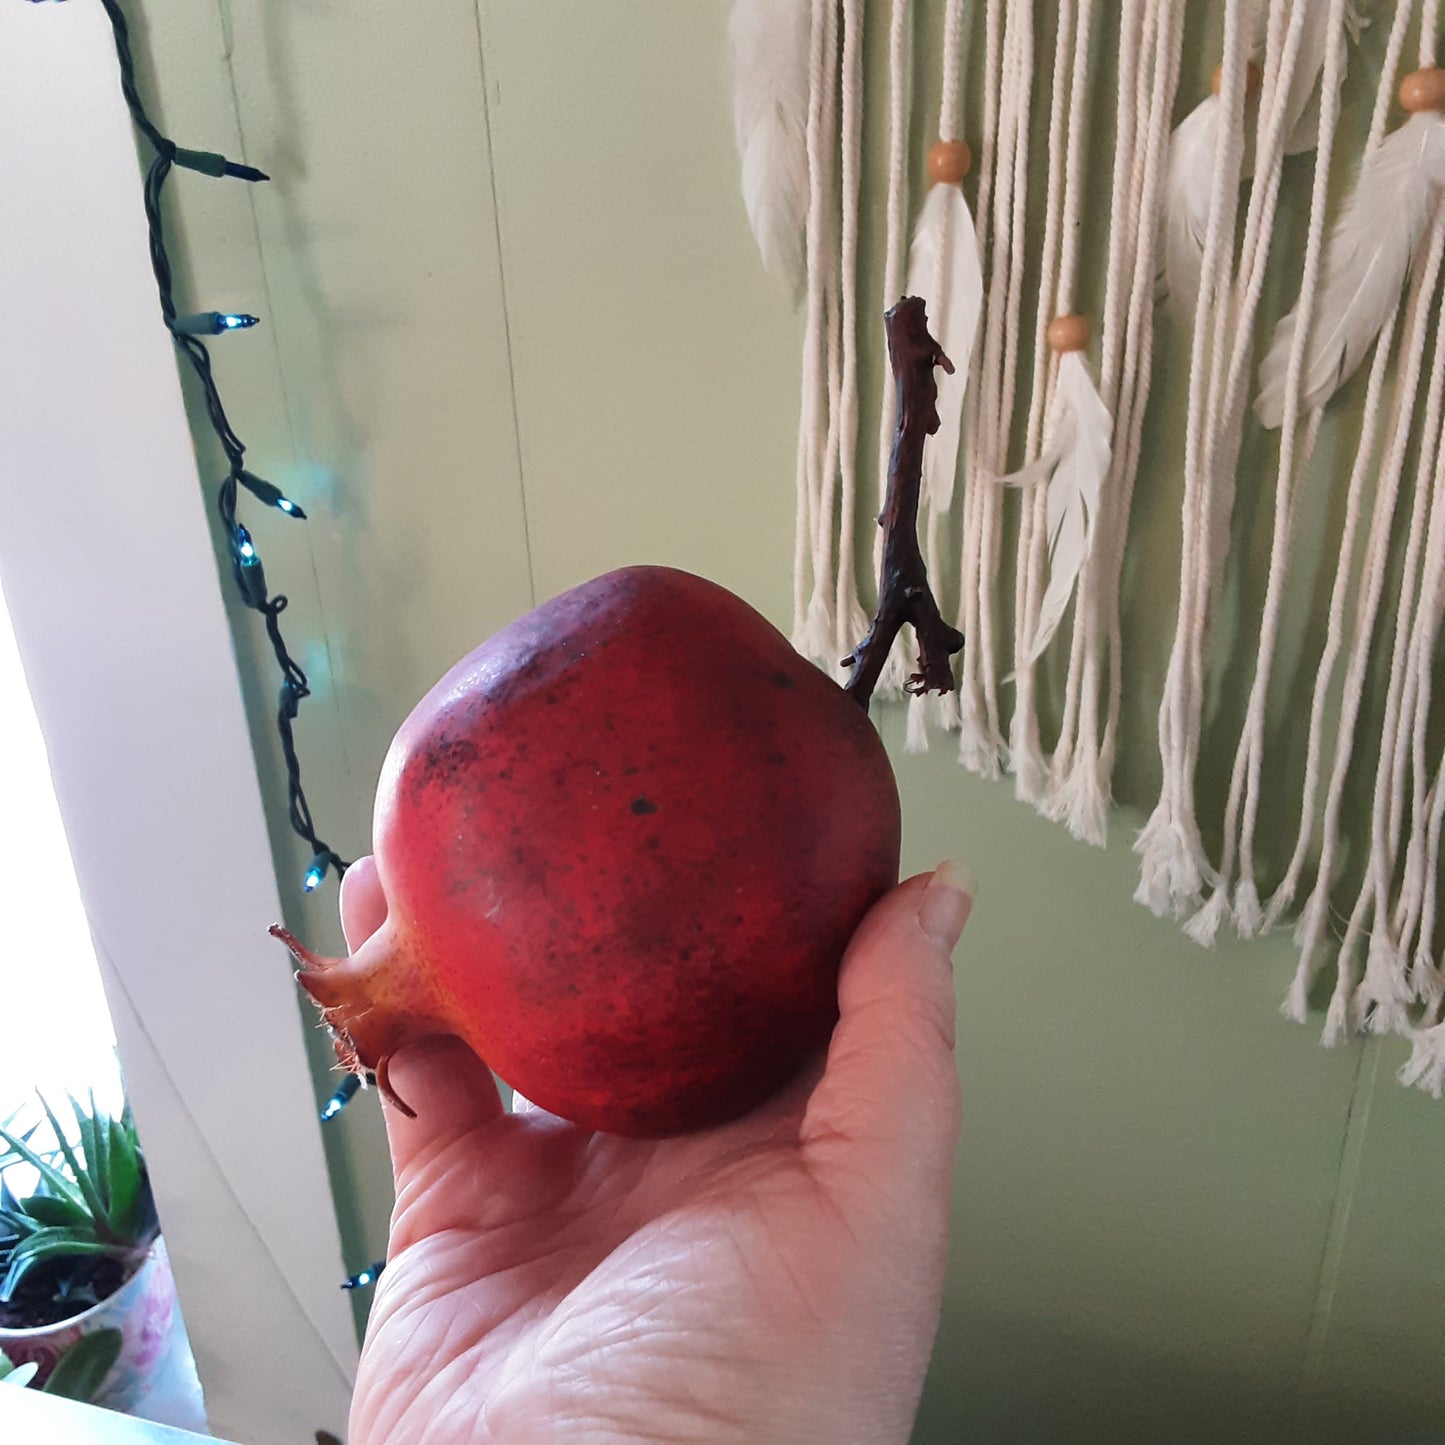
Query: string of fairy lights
[188, 331]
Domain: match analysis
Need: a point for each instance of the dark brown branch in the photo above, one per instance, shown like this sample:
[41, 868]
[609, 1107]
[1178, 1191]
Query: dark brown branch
[903, 591]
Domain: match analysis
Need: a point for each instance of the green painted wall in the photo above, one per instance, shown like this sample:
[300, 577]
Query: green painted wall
[515, 335]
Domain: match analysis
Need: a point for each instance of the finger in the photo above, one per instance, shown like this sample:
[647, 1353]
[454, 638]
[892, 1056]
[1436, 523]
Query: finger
[363, 904]
[450, 1090]
[887, 1106]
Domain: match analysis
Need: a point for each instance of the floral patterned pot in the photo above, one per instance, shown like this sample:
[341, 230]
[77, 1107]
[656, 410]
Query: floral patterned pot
[154, 1376]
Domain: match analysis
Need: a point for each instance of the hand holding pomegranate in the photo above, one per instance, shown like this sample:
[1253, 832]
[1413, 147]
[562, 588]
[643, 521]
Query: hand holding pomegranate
[776, 1278]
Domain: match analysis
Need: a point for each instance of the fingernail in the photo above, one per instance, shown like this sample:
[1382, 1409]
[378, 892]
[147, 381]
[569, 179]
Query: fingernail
[946, 903]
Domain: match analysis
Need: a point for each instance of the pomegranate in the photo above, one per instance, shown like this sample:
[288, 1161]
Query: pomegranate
[624, 843]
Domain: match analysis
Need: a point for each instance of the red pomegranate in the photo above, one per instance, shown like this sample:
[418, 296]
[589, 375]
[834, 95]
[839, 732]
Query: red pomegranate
[623, 845]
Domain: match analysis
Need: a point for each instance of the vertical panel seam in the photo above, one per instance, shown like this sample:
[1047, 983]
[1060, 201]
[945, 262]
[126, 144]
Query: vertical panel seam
[506, 296]
[1352, 1149]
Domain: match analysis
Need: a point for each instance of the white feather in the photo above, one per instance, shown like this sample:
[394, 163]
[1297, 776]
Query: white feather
[1186, 202]
[768, 40]
[1302, 109]
[1195, 139]
[1074, 466]
[943, 268]
[1367, 260]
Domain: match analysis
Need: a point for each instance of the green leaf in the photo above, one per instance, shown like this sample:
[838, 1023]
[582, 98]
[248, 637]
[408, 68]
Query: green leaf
[47, 1244]
[85, 1126]
[125, 1182]
[50, 1209]
[82, 1369]
[53, 1176]
[100, 1160]
[81, 1177]
[14, 1222]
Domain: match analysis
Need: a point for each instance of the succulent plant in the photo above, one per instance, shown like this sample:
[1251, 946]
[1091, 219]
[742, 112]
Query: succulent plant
[90, 1219]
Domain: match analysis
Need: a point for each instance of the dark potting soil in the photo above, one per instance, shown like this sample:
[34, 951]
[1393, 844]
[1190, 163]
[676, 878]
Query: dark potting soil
[60, 1291]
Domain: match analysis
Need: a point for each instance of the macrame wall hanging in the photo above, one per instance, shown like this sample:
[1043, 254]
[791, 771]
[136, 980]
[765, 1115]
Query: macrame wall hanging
[1329, 327]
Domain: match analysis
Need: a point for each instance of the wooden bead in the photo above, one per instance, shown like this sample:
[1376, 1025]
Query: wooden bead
[1253, 79]
[949, 162]
[1423, 90]
[1068, 333]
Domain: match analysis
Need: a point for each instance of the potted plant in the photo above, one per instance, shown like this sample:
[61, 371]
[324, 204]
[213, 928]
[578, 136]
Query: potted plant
[81, 1255]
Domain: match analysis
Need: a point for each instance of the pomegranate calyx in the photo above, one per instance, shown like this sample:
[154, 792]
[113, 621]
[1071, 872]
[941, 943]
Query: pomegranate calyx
[366, 1034]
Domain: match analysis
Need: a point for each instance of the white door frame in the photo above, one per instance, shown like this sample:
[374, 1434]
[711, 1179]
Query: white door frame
[113, 589]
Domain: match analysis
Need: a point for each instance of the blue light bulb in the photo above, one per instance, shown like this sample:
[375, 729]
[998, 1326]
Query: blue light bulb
[366, 1277]
[245, 548]
[213, 323]
[314, 874]
[269, 493]
[339, 1100]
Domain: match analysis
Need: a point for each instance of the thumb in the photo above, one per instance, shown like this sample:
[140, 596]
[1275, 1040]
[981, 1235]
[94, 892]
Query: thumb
[888, 1104]
[444, 1084]
[363, 904]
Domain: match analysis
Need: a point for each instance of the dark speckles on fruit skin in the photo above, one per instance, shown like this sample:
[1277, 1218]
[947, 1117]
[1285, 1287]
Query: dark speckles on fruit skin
[643, 806]
[781, 679]
[448, 760]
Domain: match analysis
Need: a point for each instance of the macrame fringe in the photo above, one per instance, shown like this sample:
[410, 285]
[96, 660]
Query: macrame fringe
[1026, 762]
[1280, 903]
[1425, 1068]
[927, 711]
[916, 736]
[977, 749]
[1248, 914]
[1081, 803]
[1203, 928]
[1181, 200]
[1381, 1002]
[817, 640]
[1295, 1005]
[945, 711]
[1336, 1032]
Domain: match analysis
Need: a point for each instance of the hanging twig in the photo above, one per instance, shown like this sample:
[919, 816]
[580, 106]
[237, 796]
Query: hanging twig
[903, 591]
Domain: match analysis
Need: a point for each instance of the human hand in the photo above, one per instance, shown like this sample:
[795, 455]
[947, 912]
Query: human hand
[775, 1279]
